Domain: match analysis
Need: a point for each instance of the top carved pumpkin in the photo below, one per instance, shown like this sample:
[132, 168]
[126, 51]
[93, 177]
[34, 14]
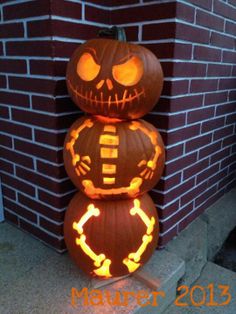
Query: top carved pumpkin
[114, 78]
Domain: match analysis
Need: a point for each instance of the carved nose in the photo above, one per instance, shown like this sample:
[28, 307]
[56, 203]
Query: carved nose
[108, 83]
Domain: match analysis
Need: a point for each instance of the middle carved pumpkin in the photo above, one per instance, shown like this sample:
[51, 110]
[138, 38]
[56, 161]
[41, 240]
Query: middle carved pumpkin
[113, 159]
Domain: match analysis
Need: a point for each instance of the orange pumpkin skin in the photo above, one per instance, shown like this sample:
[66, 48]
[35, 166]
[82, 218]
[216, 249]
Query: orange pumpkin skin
[114, 78]
[113, 160]
[112, 233]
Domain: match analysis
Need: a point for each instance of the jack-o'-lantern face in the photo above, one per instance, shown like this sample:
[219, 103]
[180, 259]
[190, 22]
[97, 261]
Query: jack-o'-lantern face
[115, 79]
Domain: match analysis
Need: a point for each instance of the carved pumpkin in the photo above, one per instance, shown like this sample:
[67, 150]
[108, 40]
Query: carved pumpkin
[110, 238]
[113, 159]
[114, 78]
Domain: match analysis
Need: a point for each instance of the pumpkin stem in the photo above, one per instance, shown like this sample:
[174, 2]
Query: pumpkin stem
[113, 32]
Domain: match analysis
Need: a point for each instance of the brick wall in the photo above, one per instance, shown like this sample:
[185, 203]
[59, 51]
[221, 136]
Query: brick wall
[195, 44]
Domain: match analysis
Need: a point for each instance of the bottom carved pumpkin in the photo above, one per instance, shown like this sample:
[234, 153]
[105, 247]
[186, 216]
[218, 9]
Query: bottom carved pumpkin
[111, 238]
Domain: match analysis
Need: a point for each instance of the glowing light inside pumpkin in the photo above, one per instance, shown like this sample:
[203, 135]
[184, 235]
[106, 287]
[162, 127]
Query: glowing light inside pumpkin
[132, 190]
[109, 152]
[128, 73]
[99, 260]
[107, 139]
[108, 168]
[133, 258]
[87, 68]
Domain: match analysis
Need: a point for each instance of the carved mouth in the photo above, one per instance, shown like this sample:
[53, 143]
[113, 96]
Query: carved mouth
[98, 99]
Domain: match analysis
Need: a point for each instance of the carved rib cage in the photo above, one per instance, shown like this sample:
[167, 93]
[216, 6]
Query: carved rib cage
[111, 227]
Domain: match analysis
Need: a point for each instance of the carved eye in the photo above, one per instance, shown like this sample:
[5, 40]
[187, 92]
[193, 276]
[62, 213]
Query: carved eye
[87, 68]
[128, 73]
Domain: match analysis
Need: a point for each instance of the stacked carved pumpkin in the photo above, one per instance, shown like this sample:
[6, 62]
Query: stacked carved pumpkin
[111, 225]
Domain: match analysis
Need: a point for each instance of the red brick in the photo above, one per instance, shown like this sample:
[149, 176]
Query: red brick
[217, 177]
[36, 85]
[38, 151]
[11, 30]
[226, 131]
[215, 98]
[114, 3]
[183, 134]
[4, 112]
[229, 56]
[210, 149]
[131, 33]
[226, 180]
[200, 115]
[57, 229]
[204, 85]
[64, 49]
[72, 30]
[229, 140]
[15, 129]
[48, 67]
[26, 9]
[185, 12]
[225, 10]
[174, 152]
[42, 235]
[58, 105]
[17, 158]
[184, 103]
[218, 70]
[169, 183]
[207, 173]
[18, 184]
[222, 41]
[175, 88]
[45, 182]
[180, 163]
[160, 31]
[59, 201]
[220, 155]
[192, 33]
[208, 20]
[189, 69]
[49, 138]
[232, 95]
[3, 81]
[166, 122]
[8, 192]
[230, 27]
[167, 224]
[10, 217]
[14, 99]
[152, 12]
[29, 48]
[195, 168]
[191, 195]
[228, 83]
[198, 142]
[6, 166]
[54, 171]
[61, 88]
[167, 237]
[5, 140]
[206, 54]
[225, 108]
[20, 211]
[40, 28]
[96, 14]
[1, 48]
[13, 66]
[204, 196]
[231, 118]
[168, 210]
[228, 161]
[34, 118]
[66, 9]
[41, 208]
[204, 4]
[165, 50]
[230, 186]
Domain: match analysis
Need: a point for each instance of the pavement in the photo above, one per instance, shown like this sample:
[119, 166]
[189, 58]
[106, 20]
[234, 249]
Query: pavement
[34, 279]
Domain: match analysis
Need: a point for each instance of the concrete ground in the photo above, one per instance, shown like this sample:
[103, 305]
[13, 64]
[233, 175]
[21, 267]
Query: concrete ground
[36, 280]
